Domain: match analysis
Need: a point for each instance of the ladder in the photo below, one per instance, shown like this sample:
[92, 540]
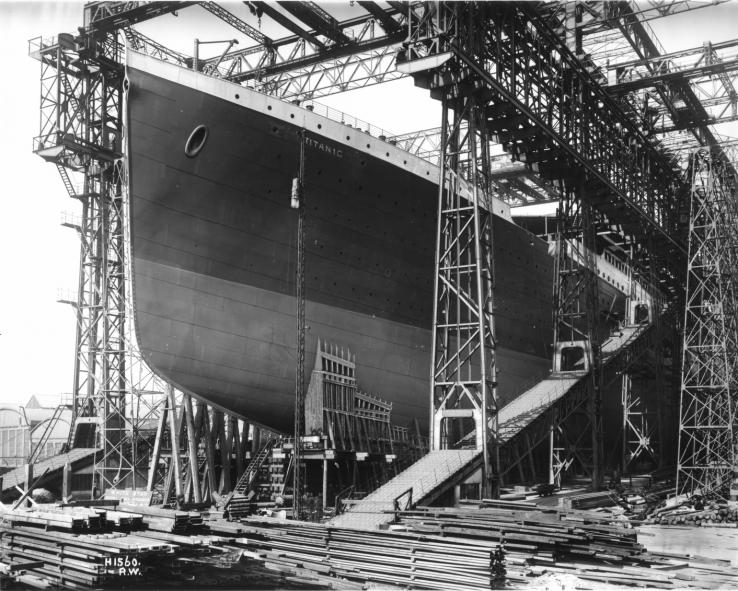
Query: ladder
[48, 430]
[249, 475]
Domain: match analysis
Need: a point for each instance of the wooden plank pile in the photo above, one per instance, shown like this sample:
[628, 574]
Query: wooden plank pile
[86, 561]
[385, 558]
[240, 505]
[166, 520]
[579, 543]
[590, 500]
[76, 519]
[146, 559]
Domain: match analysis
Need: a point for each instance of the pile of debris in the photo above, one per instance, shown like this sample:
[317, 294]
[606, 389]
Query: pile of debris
[696, 511]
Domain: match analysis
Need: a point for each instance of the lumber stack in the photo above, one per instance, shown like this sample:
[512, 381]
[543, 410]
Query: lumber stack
[590, 500]
[73, 519]
[86, 561]
[146, 559]
[240, 505]
[386, 558]
[538, 542]
[166, 520]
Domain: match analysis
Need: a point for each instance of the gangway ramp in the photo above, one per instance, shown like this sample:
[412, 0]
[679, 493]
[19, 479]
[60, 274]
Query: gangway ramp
[531, 404]
[51, 467]
[525, 423]
[428, 477]
[440, 469]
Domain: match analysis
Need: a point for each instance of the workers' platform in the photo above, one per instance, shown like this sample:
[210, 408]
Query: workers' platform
[427, 477]
[47, 468]
[437, 471]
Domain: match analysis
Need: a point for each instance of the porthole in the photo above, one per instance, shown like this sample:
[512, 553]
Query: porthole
[196, 141]
[320, 126]
[238, 96]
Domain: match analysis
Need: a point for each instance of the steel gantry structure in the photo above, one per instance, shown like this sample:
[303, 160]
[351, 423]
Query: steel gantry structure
[531, 78]
[544, 107]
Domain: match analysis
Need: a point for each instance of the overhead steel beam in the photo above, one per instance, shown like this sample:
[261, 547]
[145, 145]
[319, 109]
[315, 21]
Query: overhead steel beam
[335, 52]
[673, 76]
[236, 23]
[388, 23]
[633, 30]
[144, 44]
[279, 18]
[696, 55]
[314, 16]
[109, 16]
[366, 32]
[325, 78]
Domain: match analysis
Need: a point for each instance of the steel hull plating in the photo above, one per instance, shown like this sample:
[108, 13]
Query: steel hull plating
[213, 245]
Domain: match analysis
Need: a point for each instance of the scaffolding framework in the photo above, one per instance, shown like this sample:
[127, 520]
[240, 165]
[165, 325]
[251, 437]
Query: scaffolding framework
[115, 396]
[707, 411]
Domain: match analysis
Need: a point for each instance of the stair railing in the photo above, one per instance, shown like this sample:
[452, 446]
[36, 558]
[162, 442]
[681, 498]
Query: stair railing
[249, 474]
[341, 497]
[48, 429]
[403, 502]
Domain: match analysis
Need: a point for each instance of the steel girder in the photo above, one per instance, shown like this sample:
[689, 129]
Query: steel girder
[144, 44]
[101, 17]
[237, 23]
[318, 19]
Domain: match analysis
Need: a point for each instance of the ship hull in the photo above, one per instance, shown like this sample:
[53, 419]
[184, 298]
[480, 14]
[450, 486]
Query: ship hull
[213, 242]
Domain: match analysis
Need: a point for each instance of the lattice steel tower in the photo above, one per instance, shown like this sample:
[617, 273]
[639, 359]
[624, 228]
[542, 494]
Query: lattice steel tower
[706, 455]
[81, 132]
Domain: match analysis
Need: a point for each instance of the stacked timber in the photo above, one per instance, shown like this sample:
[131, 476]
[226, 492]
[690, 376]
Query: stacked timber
[594, 548]
[590, 500]
[87, 561]
[166, 520]
[241, 505]
[74, 519]
[374, 557]
[146, 559]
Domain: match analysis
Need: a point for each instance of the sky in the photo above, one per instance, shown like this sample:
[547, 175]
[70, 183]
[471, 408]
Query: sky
[39, 258]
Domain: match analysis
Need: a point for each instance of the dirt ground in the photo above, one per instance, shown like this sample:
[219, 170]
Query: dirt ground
[708, 542]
